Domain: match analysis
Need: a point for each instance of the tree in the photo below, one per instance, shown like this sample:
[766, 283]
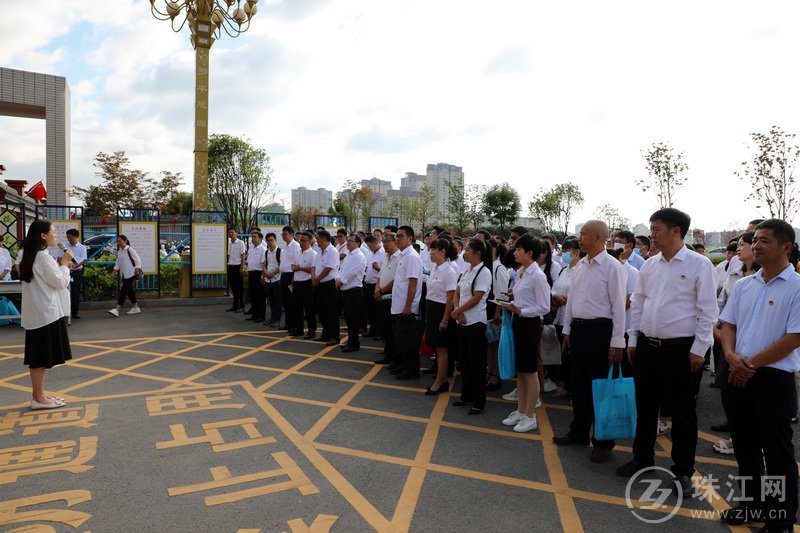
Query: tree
[473, 199]
[544, 208]
[664, 168]
[160, 192]
[554, 207]
[771, 173]
[179, 204]
[400, 207]
[456, 205]
[423, 207]
[501, 204]
[121, 186]
[303, 217]
[239, 179]
[612, 217]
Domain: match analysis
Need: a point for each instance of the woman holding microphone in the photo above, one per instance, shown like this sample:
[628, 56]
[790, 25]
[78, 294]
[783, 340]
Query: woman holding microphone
[531, 302]
[45, 308]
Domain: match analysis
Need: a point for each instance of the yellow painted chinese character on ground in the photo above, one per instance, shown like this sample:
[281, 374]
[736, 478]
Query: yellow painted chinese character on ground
[223, 478]
[214, 437]
[36, 421]
[186, 402]
[48, 457]
[9, 514]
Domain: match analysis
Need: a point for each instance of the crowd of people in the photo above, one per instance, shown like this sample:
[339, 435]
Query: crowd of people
[652, 304]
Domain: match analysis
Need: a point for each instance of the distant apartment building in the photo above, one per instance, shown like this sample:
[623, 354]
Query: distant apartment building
[438, 176]
[320, 198]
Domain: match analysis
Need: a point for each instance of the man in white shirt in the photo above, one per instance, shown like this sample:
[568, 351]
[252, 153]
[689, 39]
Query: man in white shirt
[324, 281]
[349, 280]
[594, 330]
[374, 259]
[291, 255]
[75, 270]
[302, 289]
[272, 280]
[255, 283]
[761, 341]
[6, 264]
[236, 264]
[626, 241]
[406, 294]
[673, 309]
[383, 296]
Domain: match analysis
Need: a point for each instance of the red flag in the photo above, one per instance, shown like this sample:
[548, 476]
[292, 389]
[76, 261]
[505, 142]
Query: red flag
[37, 192]
[72, 216]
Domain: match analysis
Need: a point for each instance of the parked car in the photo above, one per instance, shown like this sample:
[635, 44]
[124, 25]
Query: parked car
[716, 252]
[97, 242]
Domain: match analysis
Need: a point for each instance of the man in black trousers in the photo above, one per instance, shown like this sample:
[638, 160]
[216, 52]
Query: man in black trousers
[255, 283]
[325, 296]
[303, 292]
[383, 295]
[290, 257]
[236, 264]
[350, 281]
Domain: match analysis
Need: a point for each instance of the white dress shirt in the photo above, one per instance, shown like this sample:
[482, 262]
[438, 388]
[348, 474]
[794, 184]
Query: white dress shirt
[763, 313]
[532, 293]
[443, 279]
[372, 275]
[636, 261]
[427, 263]
[351, 272]
[5, 264]
[328, 257]
[290, 256]
[561, 286]
[124, 265]
[255, 257]
[409, 266]
[630, 286]
[722, 274]
[500, 281]
[272, 263]
[465, 291]
[78, 251]
[388, 270]
[676, 298]
[236, 250]
[727, 288]
[461, 265]
[598, 291]
[43, 299]
[305, 259]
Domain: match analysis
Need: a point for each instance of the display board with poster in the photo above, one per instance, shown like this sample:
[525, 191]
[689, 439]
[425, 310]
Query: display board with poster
[273, 223]
[381, 222]
[209, 248]
[61, 227]
[143, 237]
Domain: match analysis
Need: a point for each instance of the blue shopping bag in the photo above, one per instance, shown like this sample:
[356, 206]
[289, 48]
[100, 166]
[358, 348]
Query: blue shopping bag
[614, 406]
[7, 307]
[505, 351]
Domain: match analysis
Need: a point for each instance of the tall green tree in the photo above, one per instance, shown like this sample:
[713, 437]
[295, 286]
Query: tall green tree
[612, 217]
[554, 207]
[665, 170]
[456, 205]
[770, 172]
[502, 205]
[239, 179]
[473, 199]
[423, 207]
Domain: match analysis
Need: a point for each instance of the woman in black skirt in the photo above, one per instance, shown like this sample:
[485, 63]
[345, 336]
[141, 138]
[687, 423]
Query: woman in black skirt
[45, 308]
[531, 302]
[438, 306]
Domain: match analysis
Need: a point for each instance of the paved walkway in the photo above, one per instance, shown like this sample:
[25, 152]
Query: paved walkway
[194, 420]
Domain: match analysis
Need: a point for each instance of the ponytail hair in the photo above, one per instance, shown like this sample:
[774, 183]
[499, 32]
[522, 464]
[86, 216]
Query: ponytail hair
[479, 247]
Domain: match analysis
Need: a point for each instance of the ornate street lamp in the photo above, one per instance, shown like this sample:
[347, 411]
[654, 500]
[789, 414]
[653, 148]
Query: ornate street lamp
[207, 19]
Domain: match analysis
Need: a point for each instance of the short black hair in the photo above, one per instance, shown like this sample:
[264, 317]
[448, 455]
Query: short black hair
[551, 237]
[268, 235]
[377, 230]
[781, 230]
[627, 236]
[370, 239]
[672, 217]
[408, 231]
[732, 247]
[390, 227]
[519, 230]
[644, 238]
[755, 222]
[341, 231]
[288, 229]
[356, 237]
[529, 244]
[570, 244]
[324, 234]
[73, 232]
[699, 245]
[486, 235]
[257, 232]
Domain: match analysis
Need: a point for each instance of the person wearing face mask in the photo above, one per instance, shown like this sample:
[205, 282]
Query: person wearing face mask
[642, 248]
[625, 241]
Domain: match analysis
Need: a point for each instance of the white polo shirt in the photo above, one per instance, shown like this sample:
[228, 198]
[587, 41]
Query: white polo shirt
[443, 279]
[305, 259]
[328, 257]
[290, 256]
[482, 284]
[409, 266]
[236, 250]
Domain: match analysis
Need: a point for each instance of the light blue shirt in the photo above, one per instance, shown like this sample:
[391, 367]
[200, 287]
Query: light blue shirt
[765, 312]
[636, 261]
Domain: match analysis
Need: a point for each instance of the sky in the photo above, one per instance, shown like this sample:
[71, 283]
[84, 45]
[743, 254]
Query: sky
[529, 93]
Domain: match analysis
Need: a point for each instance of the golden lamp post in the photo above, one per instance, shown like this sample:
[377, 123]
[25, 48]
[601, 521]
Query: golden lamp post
[207, 19]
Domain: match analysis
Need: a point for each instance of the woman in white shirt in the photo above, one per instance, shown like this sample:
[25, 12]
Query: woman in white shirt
[441, 286]
[570, 254]
[127, 263]
[471, 293]
[45, 282]
[531, 302]
[499, 292]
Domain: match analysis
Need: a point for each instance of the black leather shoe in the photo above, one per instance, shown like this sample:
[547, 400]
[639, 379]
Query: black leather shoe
[249, 312]
[295, 333]
[406, 375]
[394, 365]
[368, 334]
[396, 370]
[308, 336]
[724, 427]
[444, 388]
[566, 440]
[284, 328]
[234, 308]
[475, 410]
[459, 403]
[493, 386]
[320, 339]
[380, 353]
[631, 467]
[383, 361]
[76, 316]
[350, 349]
[685, 483]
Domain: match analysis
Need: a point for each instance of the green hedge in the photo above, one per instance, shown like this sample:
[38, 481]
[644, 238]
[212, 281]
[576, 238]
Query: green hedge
[100, 286]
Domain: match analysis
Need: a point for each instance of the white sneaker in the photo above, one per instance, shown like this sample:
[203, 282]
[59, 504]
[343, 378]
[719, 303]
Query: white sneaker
[511, 396]
[512, 419]
[134, 311]
[113, 312]
[538, 403]
[662, 428]
[549, 386]
[526, 424]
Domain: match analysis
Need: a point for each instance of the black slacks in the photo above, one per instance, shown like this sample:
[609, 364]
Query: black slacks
[370, 315]
[387, 329]
[75, 288]
[275, 301]
[289, 301]
[761, 430]
[407, 339]
[127, 290]
[353, 302]
[258, 301]
[236, 284]
[664, 380]
[326, 298]
[472, 347]
[589, 342]
[304, 304]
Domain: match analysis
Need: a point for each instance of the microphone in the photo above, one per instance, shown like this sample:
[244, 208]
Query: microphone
[64, 249]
